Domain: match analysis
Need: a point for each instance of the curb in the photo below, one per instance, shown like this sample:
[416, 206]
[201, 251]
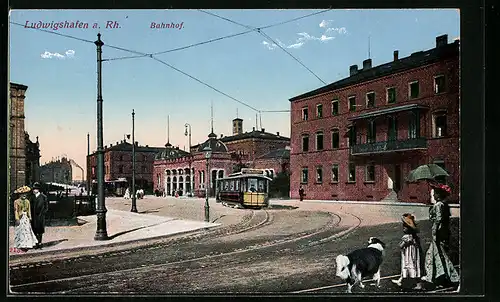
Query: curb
[122, 245]
[374, 203]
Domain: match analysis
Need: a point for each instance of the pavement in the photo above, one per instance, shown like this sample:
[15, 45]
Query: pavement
[163, 217]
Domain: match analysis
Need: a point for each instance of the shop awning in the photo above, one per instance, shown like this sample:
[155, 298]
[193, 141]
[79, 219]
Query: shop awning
[387, 111]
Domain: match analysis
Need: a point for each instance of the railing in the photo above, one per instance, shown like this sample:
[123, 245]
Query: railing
[388, 146]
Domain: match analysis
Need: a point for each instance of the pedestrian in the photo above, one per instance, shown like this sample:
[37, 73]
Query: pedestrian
[24, 237]
[39, 208]
[438, 266]
[301, 193]
[127, 194]
[411, 253]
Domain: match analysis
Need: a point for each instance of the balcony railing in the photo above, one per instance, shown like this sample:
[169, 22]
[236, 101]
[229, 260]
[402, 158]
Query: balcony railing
[389, 146]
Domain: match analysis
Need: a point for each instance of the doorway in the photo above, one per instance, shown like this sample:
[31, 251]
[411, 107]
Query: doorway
[397, 178]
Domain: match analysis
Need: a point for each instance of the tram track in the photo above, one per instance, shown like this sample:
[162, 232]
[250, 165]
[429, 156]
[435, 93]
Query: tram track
[306, 239]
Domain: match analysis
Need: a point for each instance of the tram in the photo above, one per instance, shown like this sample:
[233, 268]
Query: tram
[248, 188]
[115, 187]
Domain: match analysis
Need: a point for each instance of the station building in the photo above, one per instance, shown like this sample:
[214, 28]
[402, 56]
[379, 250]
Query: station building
[184, 172]
[358, 138]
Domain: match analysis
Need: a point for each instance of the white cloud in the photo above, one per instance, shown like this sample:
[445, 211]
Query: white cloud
[304, 37]
[325, 23]
[49, 55]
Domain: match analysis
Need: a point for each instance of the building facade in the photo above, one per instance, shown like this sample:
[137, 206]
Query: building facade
[118, 164]
[24, 155]
[57, 170]
[183, 172]
[358, 138]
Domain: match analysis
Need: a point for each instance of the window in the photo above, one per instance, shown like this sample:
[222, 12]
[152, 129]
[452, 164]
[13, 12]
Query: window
[335, 138]
[412, 126]
[392, 129]
[305, 143]
[371, 137]
[319, 141]
[319, 174]
[352, 136]
[305, 114]
[441, 179]
[144, 169]
[352, 173]
[335, 173]
[414, 90]
[93, 171]
[335, 107]
[120, 169]
[121, 157]
[391, 95]
[352, 103]
[304, 176]
[319, 111]
[439, 84]
[370, 172]
[370, 100]
[440, 129]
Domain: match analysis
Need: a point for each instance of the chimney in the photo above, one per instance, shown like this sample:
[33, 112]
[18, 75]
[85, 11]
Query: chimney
[263, 130]
[353, 70]
[137, 143]
[221, 135]
[277, 133]
[441, 41]
[147, 146]
[367, 64]
[117, 143]
[253, 128]
[396, 55]
[111, 145]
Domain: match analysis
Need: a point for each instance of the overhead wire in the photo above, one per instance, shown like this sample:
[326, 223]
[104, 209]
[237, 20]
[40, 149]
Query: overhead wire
[151, 55]
[259, 30]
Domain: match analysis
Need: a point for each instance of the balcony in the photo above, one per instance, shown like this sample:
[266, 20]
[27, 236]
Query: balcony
[389, 146]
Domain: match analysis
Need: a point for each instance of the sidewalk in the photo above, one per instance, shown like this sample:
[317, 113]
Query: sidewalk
[122, 227]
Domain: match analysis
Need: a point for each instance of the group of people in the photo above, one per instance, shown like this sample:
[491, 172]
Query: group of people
[139, 194]
[29, 213]
[435, 267]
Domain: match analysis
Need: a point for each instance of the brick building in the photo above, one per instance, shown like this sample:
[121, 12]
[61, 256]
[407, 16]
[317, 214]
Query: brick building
[58, 171]
[24, 155]
[358, 138]
[175, 169]
[118, 164]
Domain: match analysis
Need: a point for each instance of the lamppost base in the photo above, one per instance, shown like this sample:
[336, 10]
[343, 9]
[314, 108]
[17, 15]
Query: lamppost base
[101, 232]
[101, 236]
[207, 214]
[134, 210]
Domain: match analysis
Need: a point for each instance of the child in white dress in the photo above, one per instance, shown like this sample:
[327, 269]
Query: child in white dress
[411, 253]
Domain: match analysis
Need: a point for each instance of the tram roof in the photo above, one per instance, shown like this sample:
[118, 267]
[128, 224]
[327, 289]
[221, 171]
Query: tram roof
[244, 175]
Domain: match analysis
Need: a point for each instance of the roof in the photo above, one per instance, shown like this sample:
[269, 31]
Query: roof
[387, 111]
[278, 153]
[170, 152]
[215, 144]
[18, 86]
[125, 146]
[415, 60]
[254, 134]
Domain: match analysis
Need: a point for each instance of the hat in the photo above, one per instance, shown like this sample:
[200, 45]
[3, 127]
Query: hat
[36, 185]
[409, 220]
[22, 190]
[441, 187]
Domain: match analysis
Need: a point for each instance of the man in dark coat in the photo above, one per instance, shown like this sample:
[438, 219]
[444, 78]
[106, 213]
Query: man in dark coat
[301, 193]
[39, 207]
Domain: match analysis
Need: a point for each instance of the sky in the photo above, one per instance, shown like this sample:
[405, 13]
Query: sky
[61, 71]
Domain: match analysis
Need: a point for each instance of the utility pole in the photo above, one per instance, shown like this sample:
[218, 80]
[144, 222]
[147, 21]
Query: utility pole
[134, 199]
[89, 168]
[101, 232]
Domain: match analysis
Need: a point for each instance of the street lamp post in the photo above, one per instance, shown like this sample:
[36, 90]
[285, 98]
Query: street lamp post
[134, 199]
[101, 232]
[208, 153]
[188, 133]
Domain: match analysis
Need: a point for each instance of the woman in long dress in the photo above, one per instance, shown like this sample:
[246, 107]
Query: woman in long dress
[438, 266]
[24, 238]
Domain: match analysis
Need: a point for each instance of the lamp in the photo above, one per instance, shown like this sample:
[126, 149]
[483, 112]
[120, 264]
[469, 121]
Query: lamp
[208, 153]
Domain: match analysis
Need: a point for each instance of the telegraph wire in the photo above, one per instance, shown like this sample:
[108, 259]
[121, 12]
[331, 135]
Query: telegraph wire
[201, 82]
[259, 30]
